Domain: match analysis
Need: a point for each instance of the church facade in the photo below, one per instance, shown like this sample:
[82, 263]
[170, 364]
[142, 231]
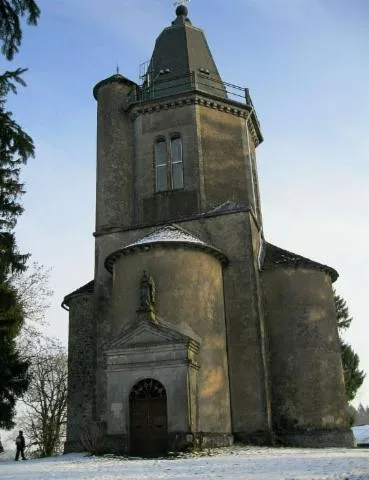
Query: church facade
[195, 330]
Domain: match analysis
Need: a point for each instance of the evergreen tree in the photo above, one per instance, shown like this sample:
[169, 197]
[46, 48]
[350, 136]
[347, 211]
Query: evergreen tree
[343, 317]
[362, 415]
[16, 146]
[14, 378]
[11, 12]
[350, 360]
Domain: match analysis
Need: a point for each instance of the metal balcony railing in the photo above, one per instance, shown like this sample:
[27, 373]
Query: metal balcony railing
[166, 85]
[162, 86]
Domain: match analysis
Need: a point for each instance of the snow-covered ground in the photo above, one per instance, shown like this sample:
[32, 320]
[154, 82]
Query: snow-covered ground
[246, 463]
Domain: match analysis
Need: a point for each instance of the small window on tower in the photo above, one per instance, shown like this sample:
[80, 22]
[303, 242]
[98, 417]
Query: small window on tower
[161, 165]
[176, 163]
[169, 164]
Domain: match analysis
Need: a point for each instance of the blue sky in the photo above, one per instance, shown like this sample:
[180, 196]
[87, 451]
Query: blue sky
[306, 64]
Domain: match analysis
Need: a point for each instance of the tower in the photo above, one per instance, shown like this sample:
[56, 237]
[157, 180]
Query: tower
[181, 337]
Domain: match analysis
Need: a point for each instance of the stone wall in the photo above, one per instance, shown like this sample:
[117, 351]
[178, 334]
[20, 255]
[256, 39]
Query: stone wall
[189, 288]
[308, 391]
[152, 206]
[235, 234]
[81, 369]
[218, 158]
[225, 167]
[114, 173]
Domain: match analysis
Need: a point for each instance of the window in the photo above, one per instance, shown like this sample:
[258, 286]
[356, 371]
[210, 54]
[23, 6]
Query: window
[161, 165]
[169, 165]
[177, 163]
[255, 186]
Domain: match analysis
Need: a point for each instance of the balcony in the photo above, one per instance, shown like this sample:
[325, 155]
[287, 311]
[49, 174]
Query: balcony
[166, 85]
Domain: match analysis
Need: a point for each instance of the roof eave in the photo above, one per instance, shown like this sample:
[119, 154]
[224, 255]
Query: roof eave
[290, 259]
[113, 257]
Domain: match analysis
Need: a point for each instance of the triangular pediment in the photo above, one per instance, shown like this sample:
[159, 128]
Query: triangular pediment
[148, 333]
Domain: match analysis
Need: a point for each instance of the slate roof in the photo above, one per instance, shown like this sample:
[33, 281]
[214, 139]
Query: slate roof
[179, 50]
[116, 78]
[169, 235]
[229, 206]
[86, 289]
[275, 256]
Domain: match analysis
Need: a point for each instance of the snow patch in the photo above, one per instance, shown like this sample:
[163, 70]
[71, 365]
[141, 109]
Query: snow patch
[361, 434]
[233, 463]
[169, 233]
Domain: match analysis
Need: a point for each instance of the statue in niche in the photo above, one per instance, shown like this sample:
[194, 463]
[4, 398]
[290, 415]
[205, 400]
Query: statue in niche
[147, 293]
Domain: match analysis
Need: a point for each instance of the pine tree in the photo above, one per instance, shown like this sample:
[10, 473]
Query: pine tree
[14, 377]
[354, 377]
[10, 23]
[343, 317]
[16, 146]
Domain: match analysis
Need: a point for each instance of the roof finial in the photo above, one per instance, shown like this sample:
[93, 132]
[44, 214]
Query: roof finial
[117, 69]
[181, 9]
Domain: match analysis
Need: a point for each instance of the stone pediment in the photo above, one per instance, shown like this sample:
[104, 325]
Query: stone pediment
[148, 333]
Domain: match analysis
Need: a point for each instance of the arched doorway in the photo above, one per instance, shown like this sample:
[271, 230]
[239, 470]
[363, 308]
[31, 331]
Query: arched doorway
[148, 418]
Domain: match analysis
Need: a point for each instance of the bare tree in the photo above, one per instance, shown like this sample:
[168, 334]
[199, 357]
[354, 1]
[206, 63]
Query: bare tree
[45, 401]
[34, 293]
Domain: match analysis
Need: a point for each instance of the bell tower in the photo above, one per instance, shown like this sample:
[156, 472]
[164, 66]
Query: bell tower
[179, 145]
[180, 148]
[197, 134]
[186, 289]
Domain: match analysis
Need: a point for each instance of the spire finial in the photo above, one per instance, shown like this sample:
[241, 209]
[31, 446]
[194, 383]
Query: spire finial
[181, 9]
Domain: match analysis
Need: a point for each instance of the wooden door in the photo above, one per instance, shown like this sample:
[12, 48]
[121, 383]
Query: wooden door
[148, 418]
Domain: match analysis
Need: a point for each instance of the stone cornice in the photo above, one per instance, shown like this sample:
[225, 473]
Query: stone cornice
[203, 99]
[108, 230]
[121, 367]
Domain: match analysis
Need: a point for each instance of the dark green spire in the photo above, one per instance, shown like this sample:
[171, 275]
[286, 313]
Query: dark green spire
[182, 61]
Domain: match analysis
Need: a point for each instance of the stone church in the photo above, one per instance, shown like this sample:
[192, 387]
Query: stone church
[195, 330]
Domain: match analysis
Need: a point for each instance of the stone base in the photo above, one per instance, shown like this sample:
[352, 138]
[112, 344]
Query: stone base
[177, 441]
[117, 444]
[315, 438]
[212, 440]
[180, 441]
[260, 438]
[73, 447]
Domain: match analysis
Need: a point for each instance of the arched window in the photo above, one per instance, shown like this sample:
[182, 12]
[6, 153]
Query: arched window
[146, 389]
[168, 164]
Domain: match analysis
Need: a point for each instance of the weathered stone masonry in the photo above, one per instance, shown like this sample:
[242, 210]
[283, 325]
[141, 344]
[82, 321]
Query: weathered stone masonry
[239, 339]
